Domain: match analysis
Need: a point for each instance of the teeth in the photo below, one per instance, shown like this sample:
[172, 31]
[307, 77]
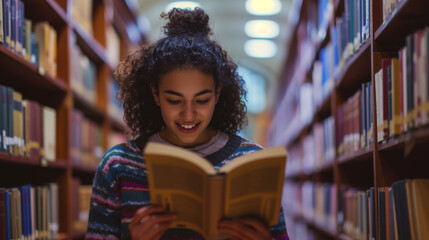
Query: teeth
[187, 126]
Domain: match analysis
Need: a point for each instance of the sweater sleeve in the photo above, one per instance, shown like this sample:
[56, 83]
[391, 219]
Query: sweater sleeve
[104, 216]
[279, 231]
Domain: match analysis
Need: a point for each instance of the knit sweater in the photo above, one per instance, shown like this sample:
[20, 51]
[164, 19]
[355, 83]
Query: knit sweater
[120, 188]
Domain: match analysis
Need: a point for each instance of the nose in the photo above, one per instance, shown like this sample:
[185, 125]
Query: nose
[188, 112]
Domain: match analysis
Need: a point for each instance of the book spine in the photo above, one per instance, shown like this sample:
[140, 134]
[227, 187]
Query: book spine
[1, 22]
[8, 22]
[396, 99]
[410, 80]
[9, 138]
[385, 65]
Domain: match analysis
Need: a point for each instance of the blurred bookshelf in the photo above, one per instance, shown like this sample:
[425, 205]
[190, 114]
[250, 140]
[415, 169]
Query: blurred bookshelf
[352, 113]
[58, 111]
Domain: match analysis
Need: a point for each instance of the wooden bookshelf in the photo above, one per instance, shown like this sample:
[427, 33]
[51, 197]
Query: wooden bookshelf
[375, 165]
[56, 92]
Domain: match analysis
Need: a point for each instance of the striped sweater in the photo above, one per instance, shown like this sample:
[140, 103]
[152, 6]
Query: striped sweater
[120, 188]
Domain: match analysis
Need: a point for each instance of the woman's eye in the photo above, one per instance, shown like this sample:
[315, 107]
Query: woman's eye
[173, 101]
[202, 101]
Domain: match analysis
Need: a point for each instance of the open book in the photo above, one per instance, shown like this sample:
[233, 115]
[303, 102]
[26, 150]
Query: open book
[188, 184]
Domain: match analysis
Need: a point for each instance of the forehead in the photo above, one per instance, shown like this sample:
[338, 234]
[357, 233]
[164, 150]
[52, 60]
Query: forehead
[181, 79]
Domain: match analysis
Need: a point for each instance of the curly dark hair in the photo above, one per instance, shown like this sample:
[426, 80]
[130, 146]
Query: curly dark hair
[186, 44]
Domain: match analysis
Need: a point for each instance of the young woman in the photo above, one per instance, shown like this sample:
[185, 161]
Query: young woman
[182, 90]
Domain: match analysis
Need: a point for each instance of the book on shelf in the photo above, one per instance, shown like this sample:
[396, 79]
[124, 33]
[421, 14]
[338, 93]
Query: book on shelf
[46, 38]
[17, 123]
[81, 12]
[1, 22]
[49, 133]
[187, 184]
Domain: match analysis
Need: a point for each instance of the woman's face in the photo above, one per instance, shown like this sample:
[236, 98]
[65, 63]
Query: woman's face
[187, 99]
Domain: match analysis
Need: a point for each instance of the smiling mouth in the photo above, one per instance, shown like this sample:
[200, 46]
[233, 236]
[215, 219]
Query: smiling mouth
[188, 126]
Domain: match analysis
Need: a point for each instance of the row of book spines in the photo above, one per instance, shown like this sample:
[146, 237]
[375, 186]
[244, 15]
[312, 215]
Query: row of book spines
[319, 146]
[83, 74]
[358, 213]
[319, 203]
[38, 46]
[355, 124]
[401, 210]
[27, 128]
[351, 30]
[86, 140]
[30, 212]
[80, 205]
[388, 7]
[402, 95]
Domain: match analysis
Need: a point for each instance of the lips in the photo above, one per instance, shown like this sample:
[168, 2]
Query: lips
[187, 128]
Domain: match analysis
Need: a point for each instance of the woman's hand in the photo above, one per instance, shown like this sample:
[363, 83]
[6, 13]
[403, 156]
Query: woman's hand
[245, 228]
[150, 222]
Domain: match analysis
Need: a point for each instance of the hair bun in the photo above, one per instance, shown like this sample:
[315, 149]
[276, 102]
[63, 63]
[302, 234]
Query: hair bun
[186, 21]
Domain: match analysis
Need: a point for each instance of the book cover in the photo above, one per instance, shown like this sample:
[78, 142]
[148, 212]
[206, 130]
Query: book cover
[49, 133]
[379, 105]
[3, 218]
[1, 22]
[3, 118]
[420, 196]
[187, 184]
[410, 80]
[401, 209]
[6, 22]
[382, 213]
[387, 211]
[8, 214]
[396, 123]
[387, 88]
[17, 123]
[10, 129]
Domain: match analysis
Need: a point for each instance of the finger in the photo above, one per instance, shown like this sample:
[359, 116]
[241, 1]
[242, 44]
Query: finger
[158, 229]
[143, 212]
[257, 225]
[151, 222]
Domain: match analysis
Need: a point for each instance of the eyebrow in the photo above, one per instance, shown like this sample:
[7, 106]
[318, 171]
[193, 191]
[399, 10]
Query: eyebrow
[181, 95]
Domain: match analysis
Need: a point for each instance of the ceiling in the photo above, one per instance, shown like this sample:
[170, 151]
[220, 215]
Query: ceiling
[227, 19]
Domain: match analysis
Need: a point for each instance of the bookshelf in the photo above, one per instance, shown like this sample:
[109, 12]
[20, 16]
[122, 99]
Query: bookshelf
[358, 167]
[59, 92]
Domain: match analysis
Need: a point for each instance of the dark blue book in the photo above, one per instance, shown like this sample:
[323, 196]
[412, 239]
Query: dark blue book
[8, 214]
[401, 207]
[6, 23]
[9, 136]
[23, 211]
[391, 220]
[34, 50]
[382, 213]
[13, 24]
[2, 214]
[372, 211]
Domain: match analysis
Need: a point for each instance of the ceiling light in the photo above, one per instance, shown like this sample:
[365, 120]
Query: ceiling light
[263, 7]
[262, 29]
[260, 48]
[182, 4]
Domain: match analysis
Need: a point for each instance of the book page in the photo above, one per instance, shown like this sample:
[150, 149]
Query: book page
[253, 187]
[179, 186]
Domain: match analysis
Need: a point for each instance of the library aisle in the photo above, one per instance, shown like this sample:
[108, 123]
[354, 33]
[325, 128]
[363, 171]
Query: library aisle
[357, 131]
